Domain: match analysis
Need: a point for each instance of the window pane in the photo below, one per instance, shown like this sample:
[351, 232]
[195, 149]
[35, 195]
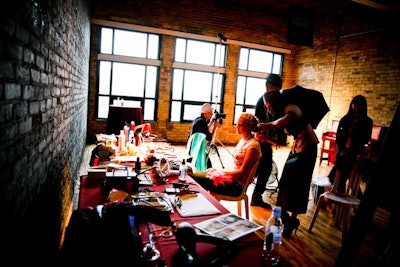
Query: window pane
[149, 107]
[220, 56]
[176, 111]
[104, 77]
[191, 112]
[276, 68]
[177, 84]
[255, 89]
[244, 57]
[154, 46]
[180, 50]
[238, 112]
[128, 79]
[240, 89]
[129, 43]
[200, 52]
[260, 61]
[104, 103]
[106, 41]
[197, 86]
[151, 81]
[217, 88]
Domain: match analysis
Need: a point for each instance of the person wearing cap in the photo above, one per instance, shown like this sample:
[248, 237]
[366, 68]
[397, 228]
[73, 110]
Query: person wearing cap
[266, 139]
[204, 124]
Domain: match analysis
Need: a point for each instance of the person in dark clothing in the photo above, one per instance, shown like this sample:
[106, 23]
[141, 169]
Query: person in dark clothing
[206, 125]
[353, 134]
[266, 140]
[294, 185]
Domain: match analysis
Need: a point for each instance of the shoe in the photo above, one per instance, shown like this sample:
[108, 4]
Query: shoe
[291, 224]
[260, 203]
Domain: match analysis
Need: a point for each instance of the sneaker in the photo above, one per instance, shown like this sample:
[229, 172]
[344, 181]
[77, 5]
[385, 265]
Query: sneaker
[260, 203]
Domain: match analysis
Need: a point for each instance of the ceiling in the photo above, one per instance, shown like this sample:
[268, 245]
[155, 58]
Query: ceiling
[319, 7]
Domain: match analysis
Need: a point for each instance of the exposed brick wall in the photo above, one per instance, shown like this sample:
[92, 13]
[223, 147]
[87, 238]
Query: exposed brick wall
[338, 66]
[44, 55]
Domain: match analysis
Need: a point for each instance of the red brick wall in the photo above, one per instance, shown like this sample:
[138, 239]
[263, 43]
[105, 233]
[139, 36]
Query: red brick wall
[338, 65]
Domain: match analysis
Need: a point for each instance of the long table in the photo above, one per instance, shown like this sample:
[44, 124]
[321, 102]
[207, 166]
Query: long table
[249, 247]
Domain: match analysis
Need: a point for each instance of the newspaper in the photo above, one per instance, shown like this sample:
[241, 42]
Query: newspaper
[229, 226]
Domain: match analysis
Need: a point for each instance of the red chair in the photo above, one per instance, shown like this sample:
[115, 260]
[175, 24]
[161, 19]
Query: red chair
[328, 145]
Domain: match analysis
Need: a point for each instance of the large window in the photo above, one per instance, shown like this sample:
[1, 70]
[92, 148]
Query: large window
[128, 70]
[198, 78]
[254, 67]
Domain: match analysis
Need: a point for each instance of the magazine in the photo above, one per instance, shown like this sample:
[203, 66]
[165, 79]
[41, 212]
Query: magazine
[229, 226]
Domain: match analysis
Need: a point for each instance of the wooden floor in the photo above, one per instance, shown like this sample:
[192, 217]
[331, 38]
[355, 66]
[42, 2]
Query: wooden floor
[319, 248]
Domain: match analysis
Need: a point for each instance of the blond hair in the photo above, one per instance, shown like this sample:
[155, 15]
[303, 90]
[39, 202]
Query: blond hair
[251, 121]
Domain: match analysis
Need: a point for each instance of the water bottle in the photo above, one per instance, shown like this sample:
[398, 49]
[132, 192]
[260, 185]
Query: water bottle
[273, 238]
[182, 171]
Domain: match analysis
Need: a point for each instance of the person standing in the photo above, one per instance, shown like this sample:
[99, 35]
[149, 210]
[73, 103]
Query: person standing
[294, 185]
[353, 134]
[266, 139]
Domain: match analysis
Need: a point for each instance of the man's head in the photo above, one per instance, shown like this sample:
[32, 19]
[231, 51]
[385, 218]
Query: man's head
[273, 82]
[206, 110]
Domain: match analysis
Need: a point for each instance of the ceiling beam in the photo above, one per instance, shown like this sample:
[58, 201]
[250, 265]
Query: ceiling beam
[376, 5]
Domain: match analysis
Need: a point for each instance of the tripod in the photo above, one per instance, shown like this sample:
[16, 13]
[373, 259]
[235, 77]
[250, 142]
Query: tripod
[213, 147]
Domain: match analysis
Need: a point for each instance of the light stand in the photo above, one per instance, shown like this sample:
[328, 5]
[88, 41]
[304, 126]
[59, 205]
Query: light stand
[212, 145]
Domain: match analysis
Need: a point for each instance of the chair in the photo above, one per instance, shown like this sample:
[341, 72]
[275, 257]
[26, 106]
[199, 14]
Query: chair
[371, 149]
[329, 147]
[143, 128]
[243, 194]
[344, 202]
[196, 150]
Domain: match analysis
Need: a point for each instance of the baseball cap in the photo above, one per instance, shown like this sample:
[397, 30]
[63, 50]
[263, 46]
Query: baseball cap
[206, 108]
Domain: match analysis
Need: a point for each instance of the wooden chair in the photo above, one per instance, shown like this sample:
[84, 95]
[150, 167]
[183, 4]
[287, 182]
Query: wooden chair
[328, 145]
[344, 202]
[243, 194]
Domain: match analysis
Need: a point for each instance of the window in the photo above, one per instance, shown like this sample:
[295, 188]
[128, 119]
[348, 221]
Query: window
[254, 67]
[198, 78]
[128, 70]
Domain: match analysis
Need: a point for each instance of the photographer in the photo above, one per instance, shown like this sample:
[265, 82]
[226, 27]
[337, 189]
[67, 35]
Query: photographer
[205, 123]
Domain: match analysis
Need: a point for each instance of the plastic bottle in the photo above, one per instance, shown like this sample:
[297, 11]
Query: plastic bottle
[273, 231]
[182, 171]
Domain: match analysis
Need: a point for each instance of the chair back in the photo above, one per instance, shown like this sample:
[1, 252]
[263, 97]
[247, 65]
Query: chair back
[196, 149]
[361, 168]
[251, 175]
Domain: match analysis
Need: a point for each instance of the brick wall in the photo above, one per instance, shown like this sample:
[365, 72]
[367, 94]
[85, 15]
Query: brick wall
[44, 55]
[350, 56]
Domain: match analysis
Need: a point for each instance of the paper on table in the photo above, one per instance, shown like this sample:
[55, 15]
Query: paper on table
[196, 205]
[230, 226]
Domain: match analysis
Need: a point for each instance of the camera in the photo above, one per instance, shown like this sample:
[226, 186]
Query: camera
[218, 115]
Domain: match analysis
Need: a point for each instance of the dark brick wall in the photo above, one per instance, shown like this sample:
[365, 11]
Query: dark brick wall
[44, 55]
[352, 54]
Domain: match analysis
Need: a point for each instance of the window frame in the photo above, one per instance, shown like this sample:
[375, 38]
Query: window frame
[246, 74]
[135, 61]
